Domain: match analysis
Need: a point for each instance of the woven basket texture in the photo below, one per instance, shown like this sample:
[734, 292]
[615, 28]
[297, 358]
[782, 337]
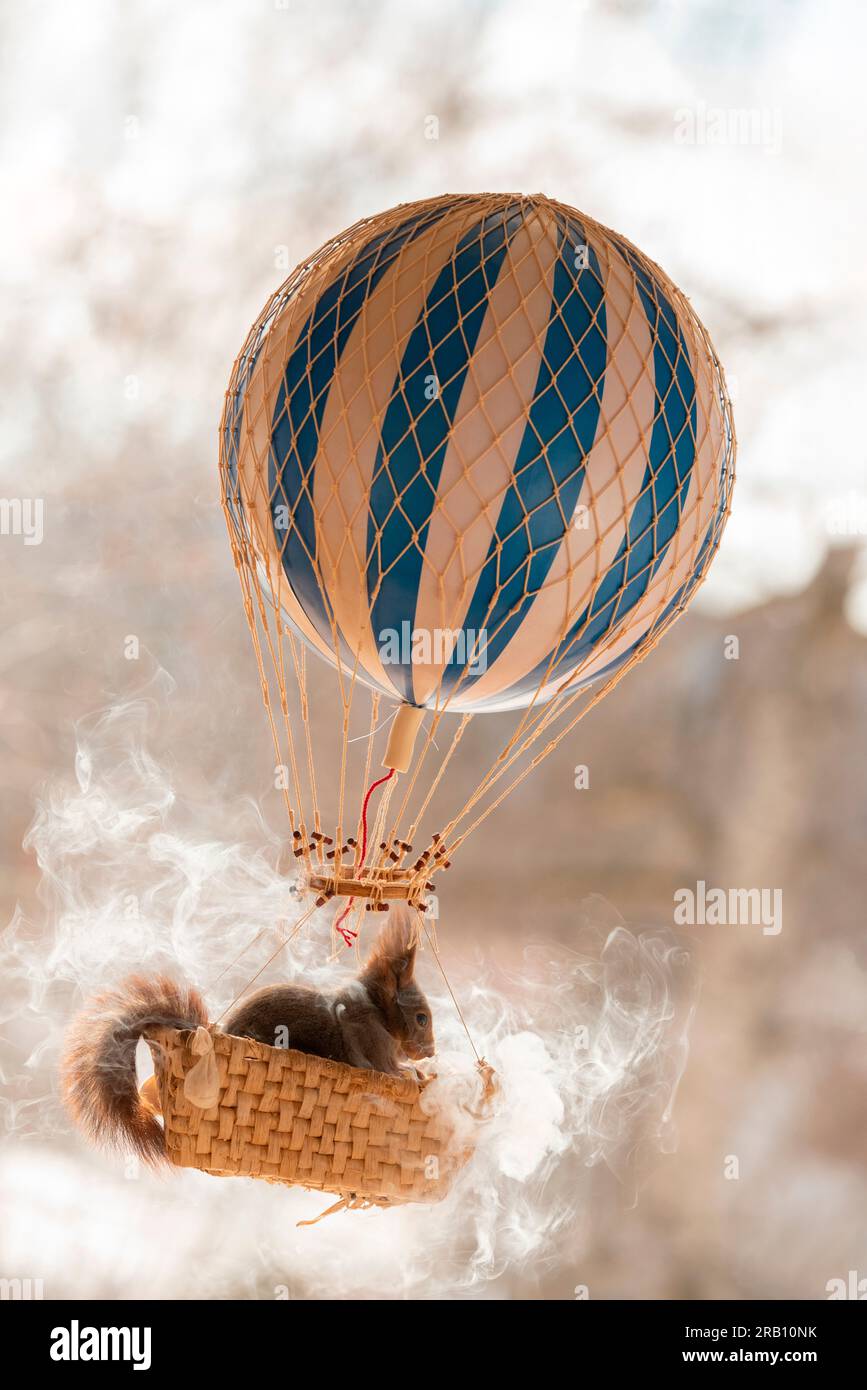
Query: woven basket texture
[293, 1118]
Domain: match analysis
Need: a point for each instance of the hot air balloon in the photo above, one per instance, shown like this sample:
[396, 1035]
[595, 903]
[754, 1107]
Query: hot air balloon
[476, 455]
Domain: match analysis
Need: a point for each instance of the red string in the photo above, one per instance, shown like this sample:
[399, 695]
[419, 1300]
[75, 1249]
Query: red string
[346, 932]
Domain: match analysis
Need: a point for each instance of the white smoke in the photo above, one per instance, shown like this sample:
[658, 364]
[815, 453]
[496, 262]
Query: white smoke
[588, 1045]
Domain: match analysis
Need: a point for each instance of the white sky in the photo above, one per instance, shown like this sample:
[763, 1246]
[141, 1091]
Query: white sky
[156, 154]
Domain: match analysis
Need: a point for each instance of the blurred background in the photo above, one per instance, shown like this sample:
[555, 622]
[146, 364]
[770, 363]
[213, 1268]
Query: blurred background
[164, 167]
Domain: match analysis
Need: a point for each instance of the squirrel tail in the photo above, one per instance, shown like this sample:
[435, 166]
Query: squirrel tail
[98, 1069]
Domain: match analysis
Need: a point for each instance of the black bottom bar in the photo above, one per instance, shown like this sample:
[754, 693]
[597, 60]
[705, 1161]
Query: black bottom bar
[173, 1340]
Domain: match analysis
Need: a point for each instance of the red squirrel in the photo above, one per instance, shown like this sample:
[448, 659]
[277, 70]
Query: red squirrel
[378, 1021]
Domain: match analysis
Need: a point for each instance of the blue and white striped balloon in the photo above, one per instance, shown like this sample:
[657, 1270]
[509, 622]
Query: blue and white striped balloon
[483, 449]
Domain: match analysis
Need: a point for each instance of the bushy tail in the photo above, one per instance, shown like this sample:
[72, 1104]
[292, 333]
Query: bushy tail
[98, 1068]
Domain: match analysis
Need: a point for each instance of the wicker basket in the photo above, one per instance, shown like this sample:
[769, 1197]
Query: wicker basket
[289, 1117]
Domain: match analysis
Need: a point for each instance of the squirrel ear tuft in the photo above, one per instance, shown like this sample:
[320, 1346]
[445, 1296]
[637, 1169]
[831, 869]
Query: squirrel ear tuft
[379, 972]
[392, 960]
[403, 967]
[387, 977]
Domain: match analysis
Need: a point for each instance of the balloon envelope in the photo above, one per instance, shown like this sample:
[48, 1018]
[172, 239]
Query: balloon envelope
[482, 448]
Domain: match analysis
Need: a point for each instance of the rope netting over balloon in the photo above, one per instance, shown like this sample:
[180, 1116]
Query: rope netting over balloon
[477, 452]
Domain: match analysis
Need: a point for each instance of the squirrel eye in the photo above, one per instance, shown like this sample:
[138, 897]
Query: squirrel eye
[421, 1020]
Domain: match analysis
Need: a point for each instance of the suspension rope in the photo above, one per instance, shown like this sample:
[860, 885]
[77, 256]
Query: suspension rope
[283, 944]
[420, 922]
